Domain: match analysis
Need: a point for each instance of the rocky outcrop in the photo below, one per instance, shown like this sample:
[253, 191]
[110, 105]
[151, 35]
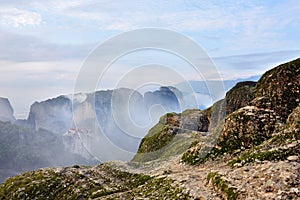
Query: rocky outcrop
[161, 134]
[6, 111]
[194, 120]
[277, 95]
[173, 131]
[279, 89]
[248, 127]
[293, 123]
[237, 97]
[240, 95]
[53, 115]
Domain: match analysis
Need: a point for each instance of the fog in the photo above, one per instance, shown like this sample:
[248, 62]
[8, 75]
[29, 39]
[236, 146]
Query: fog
[86, 128]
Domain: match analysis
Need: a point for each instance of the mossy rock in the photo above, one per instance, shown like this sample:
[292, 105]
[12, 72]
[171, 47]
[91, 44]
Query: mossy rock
[248, 127]
[224, 187]
[172, 135]
[243, 129]
[237, 97]
[279, 89]
[280, 146]
[240, 96]
[103, 182]
[293, 121]
[201, 151]
[161, 134]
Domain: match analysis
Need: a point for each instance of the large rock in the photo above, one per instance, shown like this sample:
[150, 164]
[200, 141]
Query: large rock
[268, 105]
[240, 95]
[248, 127]
[279, 89]
[6, 111]
[172, 135]
[194, 120]
[293, 121]
[237, 97]
[292, 127]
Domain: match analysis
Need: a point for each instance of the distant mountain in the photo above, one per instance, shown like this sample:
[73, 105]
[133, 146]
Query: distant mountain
[54, 115]
[24, 149]
[118, 118]
[6, 110]
[80, 128]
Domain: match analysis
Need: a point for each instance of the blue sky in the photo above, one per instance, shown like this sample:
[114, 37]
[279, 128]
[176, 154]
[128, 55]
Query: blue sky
[44, 43]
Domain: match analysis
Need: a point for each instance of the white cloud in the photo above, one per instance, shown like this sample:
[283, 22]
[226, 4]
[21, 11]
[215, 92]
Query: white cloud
[17, 47]
[232, 27]
[16, 17]
[27, 82]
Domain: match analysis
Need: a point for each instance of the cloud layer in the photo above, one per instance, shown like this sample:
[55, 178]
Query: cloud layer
[44, 43]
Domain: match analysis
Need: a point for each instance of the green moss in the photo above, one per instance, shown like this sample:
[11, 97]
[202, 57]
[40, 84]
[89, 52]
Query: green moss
[189, 111]
[274, 155]
[74, 184]
[223, 186]
[179, 144]
[194, 158]
[158, 136]
[163, 140]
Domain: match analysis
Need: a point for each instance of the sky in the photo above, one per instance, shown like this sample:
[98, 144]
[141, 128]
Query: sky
[43, 44]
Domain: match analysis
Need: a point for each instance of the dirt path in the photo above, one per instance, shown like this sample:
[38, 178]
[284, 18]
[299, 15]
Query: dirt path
[258, 180]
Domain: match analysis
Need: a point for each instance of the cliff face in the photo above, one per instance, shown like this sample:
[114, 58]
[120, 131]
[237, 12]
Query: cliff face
[279, 89]
[57, 114]
[110, 114]
[265, 112]
[24, 149]
[240, 95]
[53, 115]
[6, 110]
[53, 122]
[167, 97]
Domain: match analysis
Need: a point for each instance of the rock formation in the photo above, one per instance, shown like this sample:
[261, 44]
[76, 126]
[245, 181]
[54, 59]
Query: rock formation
[6, 110]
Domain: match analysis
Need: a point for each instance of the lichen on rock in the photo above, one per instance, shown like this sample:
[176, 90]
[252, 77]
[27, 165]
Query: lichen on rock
[279, 89]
